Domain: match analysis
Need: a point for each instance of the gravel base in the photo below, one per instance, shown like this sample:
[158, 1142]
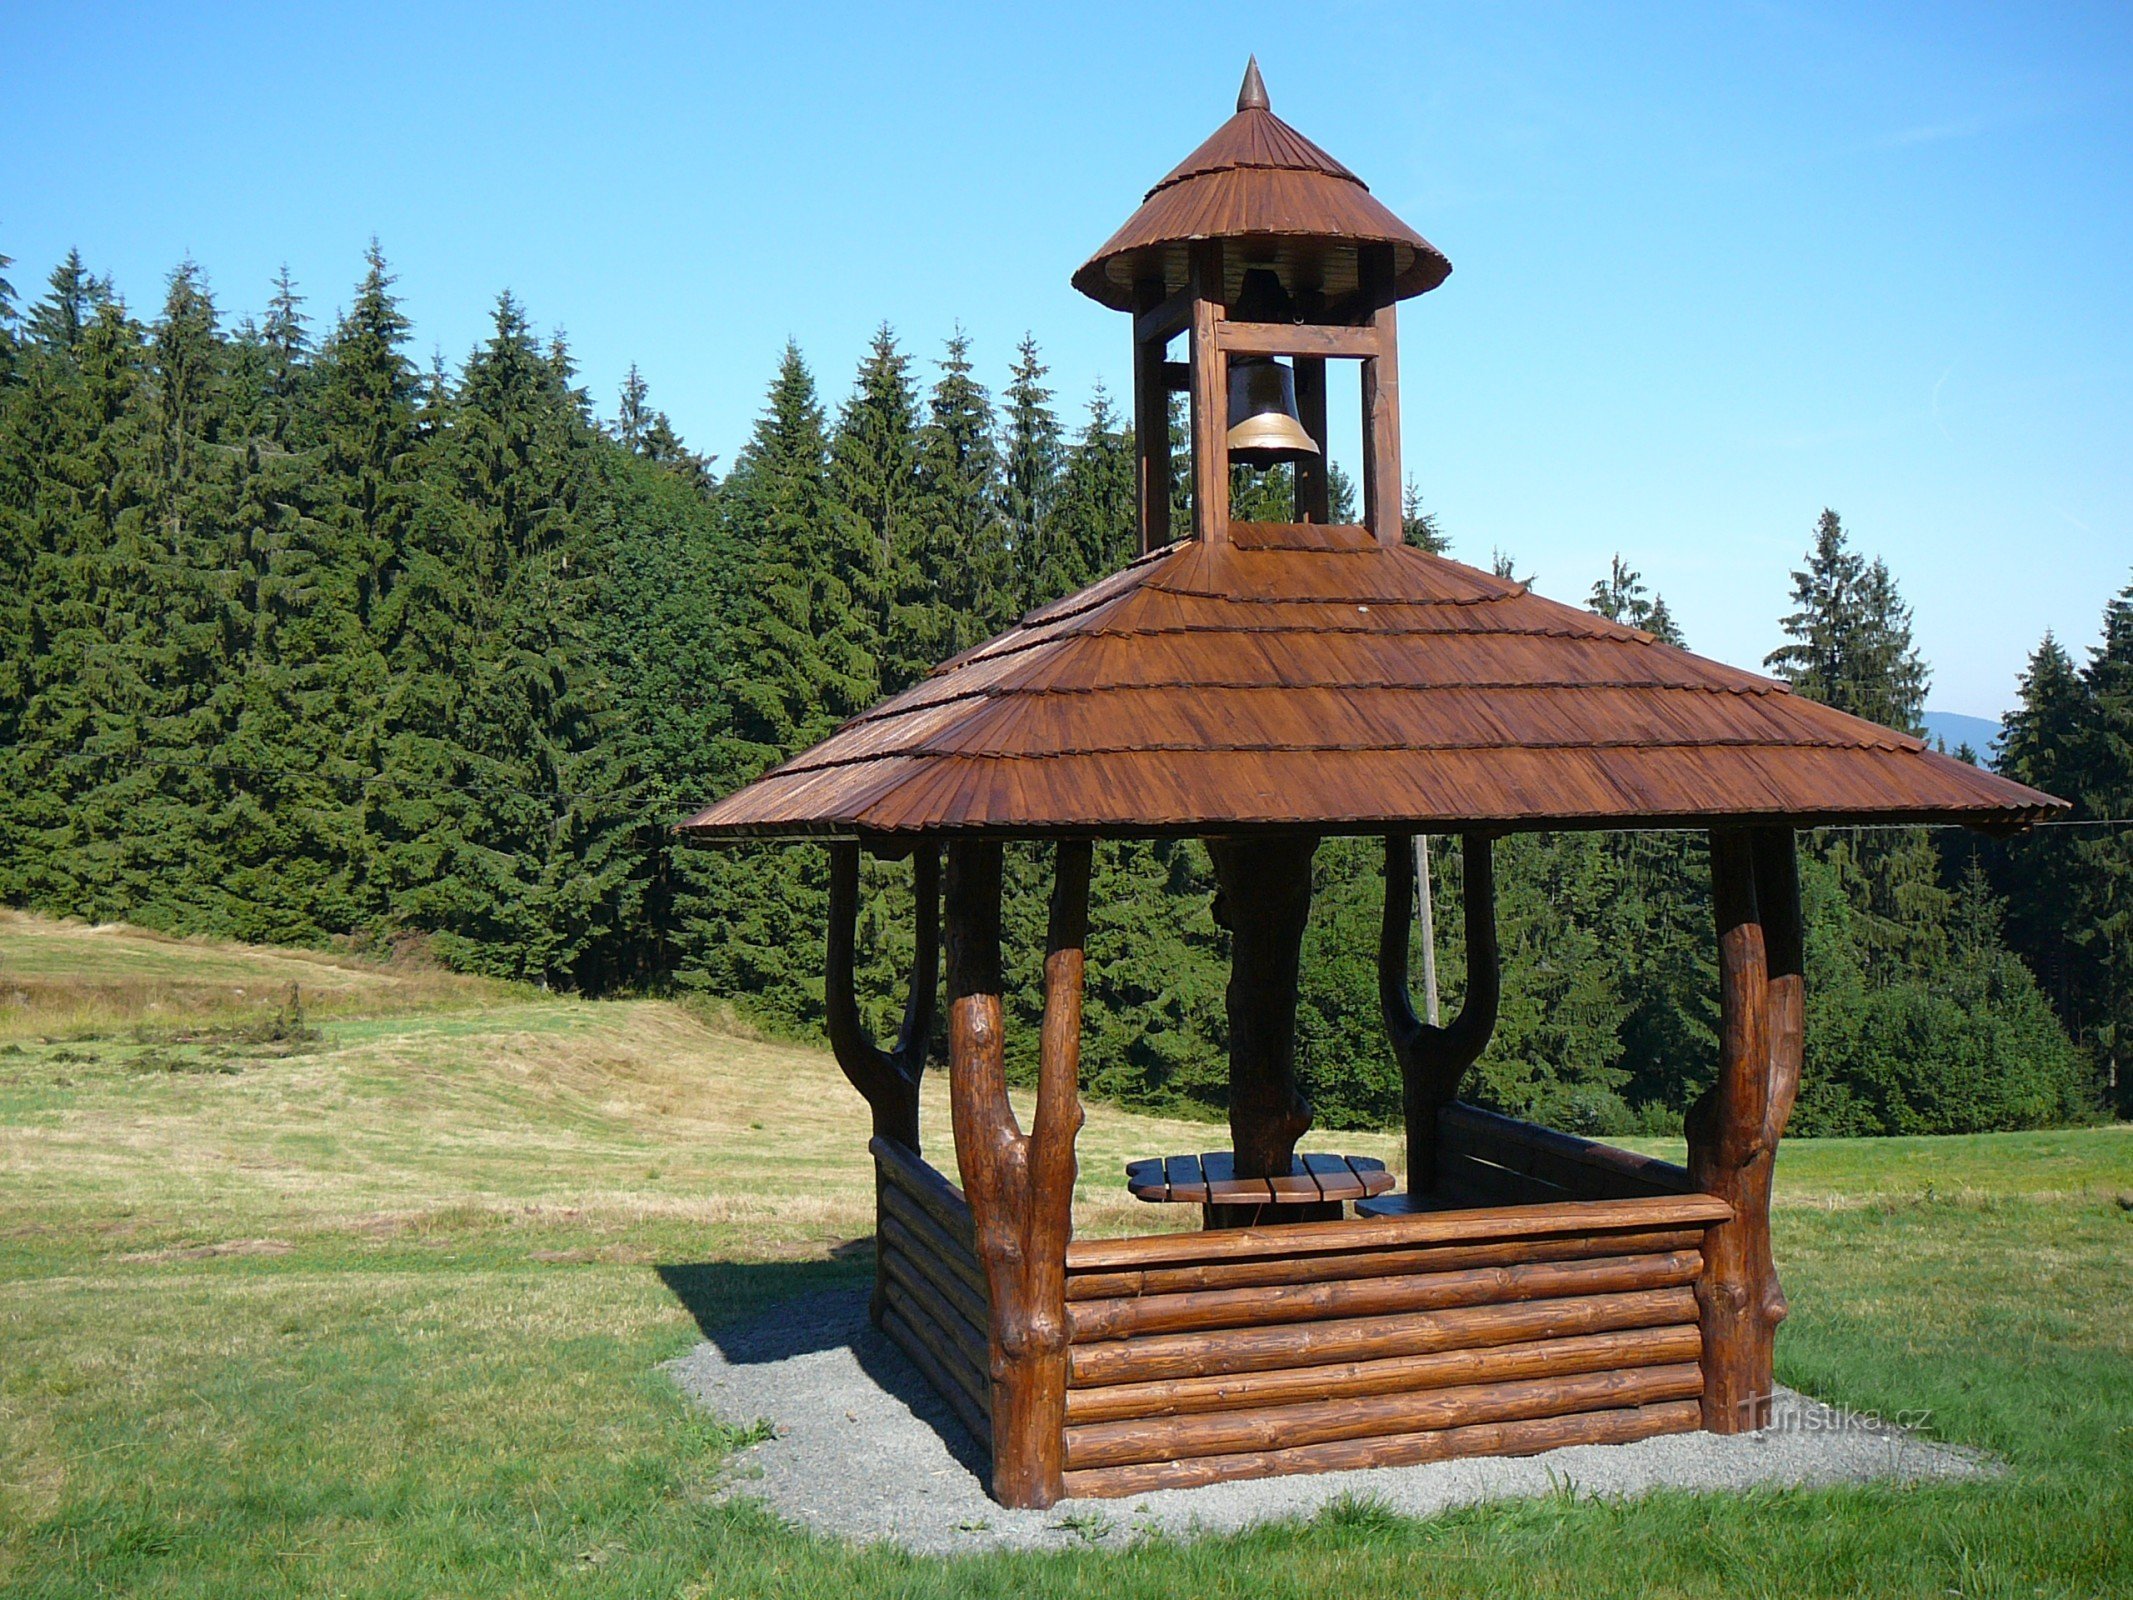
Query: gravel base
[865, 1450]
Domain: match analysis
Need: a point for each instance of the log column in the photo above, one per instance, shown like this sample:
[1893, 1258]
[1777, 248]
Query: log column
[1020, 1186]
[1734, 1127]
[1263, 897]
[888, 1079]
[1433, 1060]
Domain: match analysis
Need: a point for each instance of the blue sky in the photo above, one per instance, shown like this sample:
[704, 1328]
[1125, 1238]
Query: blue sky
[1715, 266]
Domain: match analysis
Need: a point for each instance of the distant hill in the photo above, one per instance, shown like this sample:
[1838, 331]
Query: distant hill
[1980, 733]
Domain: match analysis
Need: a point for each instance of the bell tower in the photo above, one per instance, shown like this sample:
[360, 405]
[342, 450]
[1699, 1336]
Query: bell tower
[1270, 259]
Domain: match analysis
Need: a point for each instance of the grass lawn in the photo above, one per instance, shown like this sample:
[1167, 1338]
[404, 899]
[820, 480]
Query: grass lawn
[374, 1306]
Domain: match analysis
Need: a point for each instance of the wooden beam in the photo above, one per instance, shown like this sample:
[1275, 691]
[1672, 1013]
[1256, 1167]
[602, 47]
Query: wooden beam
[1307, 1344]
[1157, 318]
[1734, 1127]
[1177, 377]
[1264, 1305]
[1434, 1060]
[1536, 1358]
[1381, 401]
[1263, 898]
[1299, 339]
[1020, 1186]
[1299, 1424]
[1488, 1225]
[1210, 399]
[1314, 483]
[1151, 429]
[1621, 1425]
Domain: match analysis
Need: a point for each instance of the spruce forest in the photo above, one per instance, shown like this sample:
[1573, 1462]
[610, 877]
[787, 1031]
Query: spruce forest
[302, 642]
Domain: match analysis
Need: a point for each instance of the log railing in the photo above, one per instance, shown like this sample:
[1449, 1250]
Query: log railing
[1487, 1159]
[1321, 1346]
[936, 1309]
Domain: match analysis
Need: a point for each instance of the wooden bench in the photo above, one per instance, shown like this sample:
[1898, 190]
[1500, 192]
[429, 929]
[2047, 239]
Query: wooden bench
[1321, 1181]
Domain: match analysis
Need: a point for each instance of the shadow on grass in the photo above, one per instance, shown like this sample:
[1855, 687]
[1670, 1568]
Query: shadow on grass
[761, 1312]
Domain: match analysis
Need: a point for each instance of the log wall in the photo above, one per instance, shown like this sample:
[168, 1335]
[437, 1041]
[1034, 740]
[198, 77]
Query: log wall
[931, 1286]
[1320, 1346]
[1486, 1159]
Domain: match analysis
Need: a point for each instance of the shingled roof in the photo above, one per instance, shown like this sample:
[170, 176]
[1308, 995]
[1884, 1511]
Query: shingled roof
[1306, 676]
[1257, 180]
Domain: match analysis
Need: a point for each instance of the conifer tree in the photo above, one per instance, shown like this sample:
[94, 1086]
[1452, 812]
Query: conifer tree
[76, 294]
[1418, 526]
[74, 424]
[1851, 635]
[874, 493]
[1622, 597]
[1029, 476]
[1093, 522]
[162, 694]
[964, 543]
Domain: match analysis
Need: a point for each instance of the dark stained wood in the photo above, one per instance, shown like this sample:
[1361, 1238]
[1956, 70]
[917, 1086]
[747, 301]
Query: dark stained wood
[905, 1228]
[1298, 339]
[924, 1306]
[1158, 1439]
[1539, 1358]
[1210, 401]
[948, 1272]
[1734, 1128]
[1158, 318]
[947, 1378]
[888, 1079]
[1621, 1426]
[1263, 898]
[926, 1188]
[1434, 1060]
[1314, 485]
[1381, 1263]
[1466, 1179]
[1272, 1304]
[1020, 1186]
[1303, 1344]
[1151, 417]
[1591, 1170]
[1213, 1177]
[1584, 1218]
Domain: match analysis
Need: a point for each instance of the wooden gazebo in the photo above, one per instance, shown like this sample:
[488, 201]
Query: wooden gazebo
[1260, 686]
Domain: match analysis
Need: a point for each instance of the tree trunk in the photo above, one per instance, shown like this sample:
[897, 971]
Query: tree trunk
[1264, 899]
[1734, 1127]
[1020, 1186]
[1433, 1060]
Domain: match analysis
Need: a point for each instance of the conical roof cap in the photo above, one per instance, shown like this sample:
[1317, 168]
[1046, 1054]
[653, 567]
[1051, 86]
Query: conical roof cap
[1257, 180]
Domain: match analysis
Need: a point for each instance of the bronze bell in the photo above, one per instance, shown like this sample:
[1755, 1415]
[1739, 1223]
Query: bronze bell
[1264, 430]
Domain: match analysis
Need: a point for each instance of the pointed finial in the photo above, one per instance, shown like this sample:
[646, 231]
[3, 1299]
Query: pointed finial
[1252, 96]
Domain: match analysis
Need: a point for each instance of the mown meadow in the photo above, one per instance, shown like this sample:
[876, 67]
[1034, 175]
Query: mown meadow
[365, 1291]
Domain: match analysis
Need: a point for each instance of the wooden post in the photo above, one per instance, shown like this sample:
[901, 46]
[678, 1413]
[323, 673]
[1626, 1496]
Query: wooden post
[1433, 1060]
[1734, 1127]
[1151, 427]
[1210, 399]
[888, 1079]
[1264, 899]
[1314, 483]
[1381, 401]
[1020, 1186]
